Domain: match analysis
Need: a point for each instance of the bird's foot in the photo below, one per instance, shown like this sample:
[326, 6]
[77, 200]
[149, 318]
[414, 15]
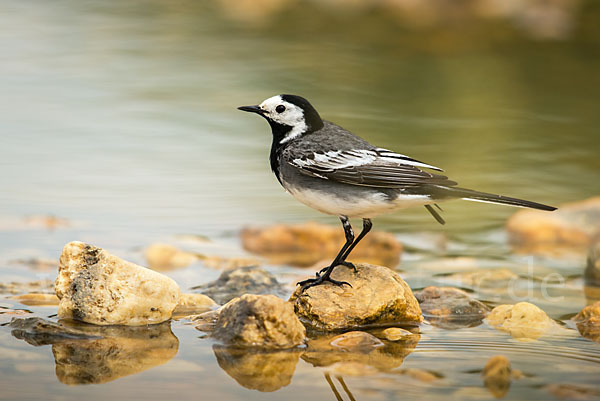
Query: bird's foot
[311, 282]
[344, 263]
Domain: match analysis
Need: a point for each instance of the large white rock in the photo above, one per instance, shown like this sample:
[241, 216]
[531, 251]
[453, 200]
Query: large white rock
[96, 287]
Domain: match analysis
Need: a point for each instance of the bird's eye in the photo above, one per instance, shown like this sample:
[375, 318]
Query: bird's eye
[280, 109]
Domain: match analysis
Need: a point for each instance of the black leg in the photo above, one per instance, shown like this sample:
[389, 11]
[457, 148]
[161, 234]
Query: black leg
[367, 225]
[336, 261]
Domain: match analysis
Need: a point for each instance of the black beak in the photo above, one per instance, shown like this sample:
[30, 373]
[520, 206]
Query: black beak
[252, 109]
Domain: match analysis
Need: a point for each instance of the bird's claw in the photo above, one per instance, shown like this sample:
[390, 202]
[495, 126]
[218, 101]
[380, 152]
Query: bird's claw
[311, 282]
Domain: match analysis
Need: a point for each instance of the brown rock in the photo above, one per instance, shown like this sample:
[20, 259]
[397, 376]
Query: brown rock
[37, 331]
[571, 228]
[358, 352]
[378, 296]
[37, 299]
[396, 334]
[193, 304]
[482, 278]
[524, 321]
[592, 270]
[259, 321]
[42, 286]
[237, 282]
[96, 287]
[588, 322]
[450, 308]
[497, 375]
[260, 370]
[167, 257]
[309, 243]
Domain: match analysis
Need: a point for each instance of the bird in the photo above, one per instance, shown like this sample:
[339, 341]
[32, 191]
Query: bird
[338, 173]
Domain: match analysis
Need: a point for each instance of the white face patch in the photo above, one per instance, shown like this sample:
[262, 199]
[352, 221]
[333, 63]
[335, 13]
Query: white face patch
[292, 116]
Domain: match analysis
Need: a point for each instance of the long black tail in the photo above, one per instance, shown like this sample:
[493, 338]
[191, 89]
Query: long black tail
[476, 196]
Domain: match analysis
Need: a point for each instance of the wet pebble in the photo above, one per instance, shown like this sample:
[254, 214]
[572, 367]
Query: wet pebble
[378, 296]
[309, 243]
[37, 331]
[37, 299]
[96, 287]
[396, 333]
[193, 303]
[167, 257]
[244, 280]
[450, 308]
[523, 321]
[588, 322]
[264, 321]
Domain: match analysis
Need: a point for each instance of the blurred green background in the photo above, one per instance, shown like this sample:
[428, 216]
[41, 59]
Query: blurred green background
[123, 114]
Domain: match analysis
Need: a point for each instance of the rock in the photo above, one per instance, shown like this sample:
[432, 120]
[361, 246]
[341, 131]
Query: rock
[42, 286]
[167, 257]
[524, 321]
[206, 321]
[450, 308]
[310, 243]
[7, 314]
[565, 391]
[36, 299]
[37, 331]
[227, 263]
[571, 228]
[356, 341]
[588, 322]
[396, 334]
[122, 351]
[592, 270]
[482, 278]
[421, 375]
[497, 375]
[193, 303]
[259, 321]
[37, 263]
[358, 352]
[237, 282]
[96, 287]
[378, 296]
[260, 370]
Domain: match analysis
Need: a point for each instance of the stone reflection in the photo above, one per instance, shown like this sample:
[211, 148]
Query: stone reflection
[358, 353]
[260, 370]
[88, 354]
[122, 351]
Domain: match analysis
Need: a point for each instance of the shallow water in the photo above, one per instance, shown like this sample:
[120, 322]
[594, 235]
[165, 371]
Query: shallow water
[120, 117]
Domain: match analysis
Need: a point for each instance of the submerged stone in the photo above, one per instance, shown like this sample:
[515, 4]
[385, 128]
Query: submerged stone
[310, 243]
[261, 370]
[378, 296]
[482, 278]
[524, 321]
[571, 228]
[193, 304]
[450, 308]
[264, 321]
[592, 270]
[588, 322]
[237, 282]
[42, 286]
[37, 331]
[96, 287]
[168, 257]
[37, 299]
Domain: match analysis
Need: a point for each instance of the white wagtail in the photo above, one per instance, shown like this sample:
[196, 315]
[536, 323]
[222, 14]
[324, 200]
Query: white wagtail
[332, 170]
